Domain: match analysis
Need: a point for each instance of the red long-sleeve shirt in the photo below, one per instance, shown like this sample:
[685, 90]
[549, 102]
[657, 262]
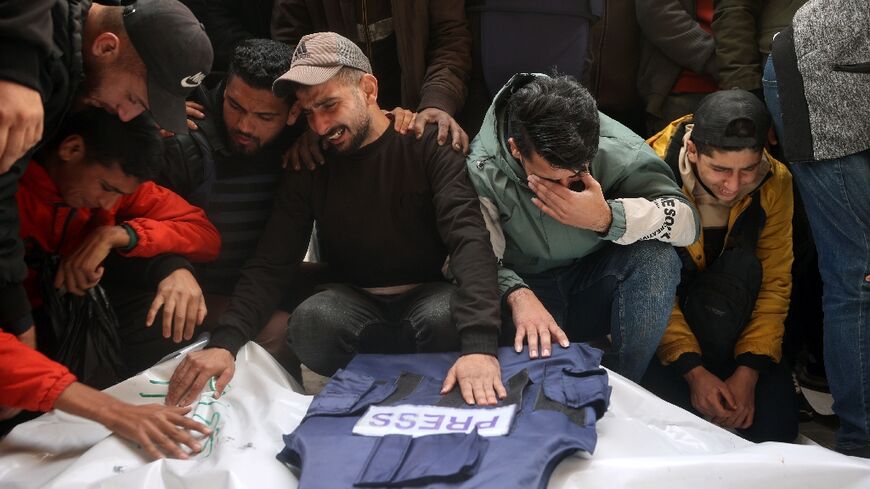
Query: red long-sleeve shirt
[163, 222]
[28, 379]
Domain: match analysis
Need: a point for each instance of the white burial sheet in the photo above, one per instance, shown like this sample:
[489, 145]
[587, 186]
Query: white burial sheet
[644, 442]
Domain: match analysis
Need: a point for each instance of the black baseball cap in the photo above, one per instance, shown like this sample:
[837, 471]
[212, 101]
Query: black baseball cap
[177, 55]
[719, 109]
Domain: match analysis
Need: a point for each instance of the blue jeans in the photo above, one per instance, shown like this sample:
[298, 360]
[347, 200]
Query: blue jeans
[837, 200]
[771, 95]
[836, 195]
[626, 291]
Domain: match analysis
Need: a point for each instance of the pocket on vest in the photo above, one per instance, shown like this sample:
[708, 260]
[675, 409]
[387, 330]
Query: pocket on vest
[349, 393]
[582, 395]
[403, 461]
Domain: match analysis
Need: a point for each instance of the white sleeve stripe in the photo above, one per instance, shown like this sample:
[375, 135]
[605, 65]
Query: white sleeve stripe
[493, 225]
[666, 219]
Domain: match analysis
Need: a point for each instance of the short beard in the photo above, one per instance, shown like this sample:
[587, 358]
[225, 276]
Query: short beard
[236, 150]
[360, 136]
[362, 129]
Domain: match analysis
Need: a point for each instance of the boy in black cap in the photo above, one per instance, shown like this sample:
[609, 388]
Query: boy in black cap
[145, 56]
[722, 349]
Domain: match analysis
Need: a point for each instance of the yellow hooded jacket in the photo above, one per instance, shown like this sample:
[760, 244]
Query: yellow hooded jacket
[763, 334]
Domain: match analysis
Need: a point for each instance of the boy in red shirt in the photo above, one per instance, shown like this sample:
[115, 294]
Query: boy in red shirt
[86, 195]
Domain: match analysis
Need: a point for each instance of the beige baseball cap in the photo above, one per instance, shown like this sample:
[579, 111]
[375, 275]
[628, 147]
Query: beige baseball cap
[317, 58]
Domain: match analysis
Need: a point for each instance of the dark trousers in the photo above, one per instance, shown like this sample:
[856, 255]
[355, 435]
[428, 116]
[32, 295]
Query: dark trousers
[141, 346]
[776, 410]
[330, 327]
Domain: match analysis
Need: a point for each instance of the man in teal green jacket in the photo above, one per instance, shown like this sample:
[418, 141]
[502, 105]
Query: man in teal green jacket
[583, 216]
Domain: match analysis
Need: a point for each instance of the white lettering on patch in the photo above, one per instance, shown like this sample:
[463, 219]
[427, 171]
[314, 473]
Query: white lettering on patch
[417, 421]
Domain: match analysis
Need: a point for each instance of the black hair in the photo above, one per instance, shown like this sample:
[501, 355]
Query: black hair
[557, 118]
[741, 128]
[136, 146]
[259, 62]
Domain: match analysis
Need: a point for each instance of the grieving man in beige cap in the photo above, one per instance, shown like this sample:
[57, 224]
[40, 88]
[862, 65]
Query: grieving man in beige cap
[390, 208]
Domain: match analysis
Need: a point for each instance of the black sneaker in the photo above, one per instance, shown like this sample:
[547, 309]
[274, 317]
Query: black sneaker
[805, 410]
[810, 379]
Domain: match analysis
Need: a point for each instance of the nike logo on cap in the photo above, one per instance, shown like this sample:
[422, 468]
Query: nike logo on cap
[193, 80]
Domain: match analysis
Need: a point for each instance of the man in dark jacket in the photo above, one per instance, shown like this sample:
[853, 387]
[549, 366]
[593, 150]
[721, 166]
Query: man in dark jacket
[678, 58]
[420, 52]
[63, 54]
[230, 168]
[390, 208]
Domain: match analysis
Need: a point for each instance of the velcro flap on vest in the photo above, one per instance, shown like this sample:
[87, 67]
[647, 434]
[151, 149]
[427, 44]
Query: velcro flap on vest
[349, 393]
[403, 461]
[578, 388]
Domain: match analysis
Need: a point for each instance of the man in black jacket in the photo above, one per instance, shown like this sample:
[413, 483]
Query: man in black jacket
[230, 167]
[389, 209]
[63, 54]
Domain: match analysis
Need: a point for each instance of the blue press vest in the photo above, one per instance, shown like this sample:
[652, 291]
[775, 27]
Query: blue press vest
[558, 401]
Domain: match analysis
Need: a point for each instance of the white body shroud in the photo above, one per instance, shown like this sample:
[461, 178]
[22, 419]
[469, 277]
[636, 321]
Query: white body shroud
[644, 442]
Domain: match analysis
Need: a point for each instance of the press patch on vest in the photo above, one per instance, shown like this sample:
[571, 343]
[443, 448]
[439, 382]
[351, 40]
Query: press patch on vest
[415, 421]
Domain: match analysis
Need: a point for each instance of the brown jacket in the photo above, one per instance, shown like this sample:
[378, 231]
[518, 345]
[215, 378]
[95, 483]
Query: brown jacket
[435, 65]
[744, 30]
[672, 40]
[614, 52]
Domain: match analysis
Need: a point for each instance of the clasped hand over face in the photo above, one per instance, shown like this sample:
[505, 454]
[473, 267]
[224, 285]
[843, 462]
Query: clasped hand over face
[586, 209]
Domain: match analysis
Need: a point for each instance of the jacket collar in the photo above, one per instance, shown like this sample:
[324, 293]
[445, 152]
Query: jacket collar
[39, 183]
